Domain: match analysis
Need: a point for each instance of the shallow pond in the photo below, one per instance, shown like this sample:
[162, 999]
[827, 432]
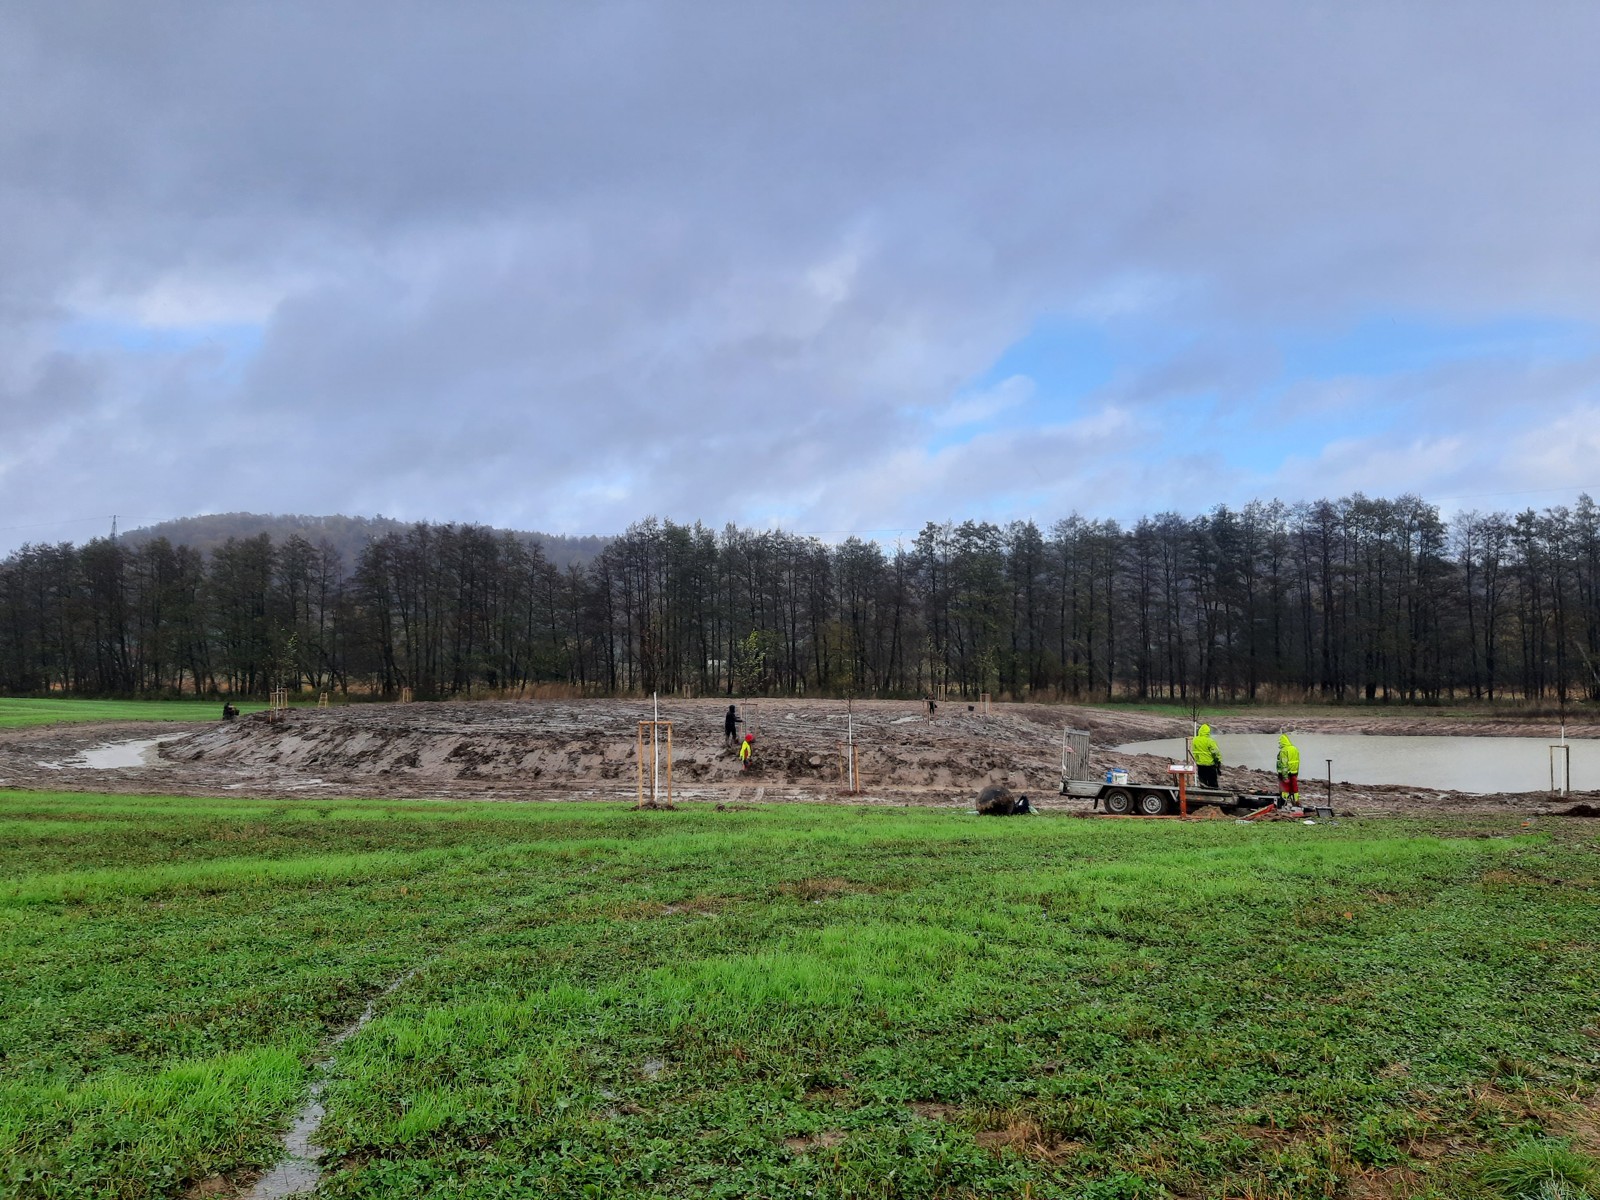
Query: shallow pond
[1465, 764]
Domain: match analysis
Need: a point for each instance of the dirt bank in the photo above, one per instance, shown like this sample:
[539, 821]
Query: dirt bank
[556, 750]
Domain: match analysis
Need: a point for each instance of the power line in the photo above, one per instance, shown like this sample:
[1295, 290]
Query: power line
[114, 518]
[837, 532]
[53, 524]
[1582, 487]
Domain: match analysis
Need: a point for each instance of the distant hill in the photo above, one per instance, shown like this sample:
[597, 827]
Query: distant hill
[347, 534]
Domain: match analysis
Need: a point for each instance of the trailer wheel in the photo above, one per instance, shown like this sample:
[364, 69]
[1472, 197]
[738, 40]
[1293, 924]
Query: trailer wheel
[1152, 804]
[1118, 802]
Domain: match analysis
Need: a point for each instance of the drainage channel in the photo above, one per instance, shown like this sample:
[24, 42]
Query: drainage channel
[297, 1173]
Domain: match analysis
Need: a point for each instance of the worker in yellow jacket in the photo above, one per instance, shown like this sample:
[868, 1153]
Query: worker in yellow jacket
[745, 747]
[1207, 758]
[1288, 770]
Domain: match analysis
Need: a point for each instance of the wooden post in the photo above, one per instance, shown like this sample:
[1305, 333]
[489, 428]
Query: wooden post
[849, 768]
[1560, 752]
[984, 698]
[278, 705]
[1182, 771]
[648, 742]
[850, 739]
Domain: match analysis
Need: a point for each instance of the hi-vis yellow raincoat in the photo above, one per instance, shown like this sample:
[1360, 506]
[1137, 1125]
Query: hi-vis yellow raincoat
[1288, 757]
[1206, 753]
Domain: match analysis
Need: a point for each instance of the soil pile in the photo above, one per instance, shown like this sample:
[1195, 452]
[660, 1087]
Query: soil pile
[593, 744]
[587, 749]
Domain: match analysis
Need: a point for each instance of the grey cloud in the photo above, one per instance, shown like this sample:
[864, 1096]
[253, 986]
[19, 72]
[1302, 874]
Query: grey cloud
[568, 265]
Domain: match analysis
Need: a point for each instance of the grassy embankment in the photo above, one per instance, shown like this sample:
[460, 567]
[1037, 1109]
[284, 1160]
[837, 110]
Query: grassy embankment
[24, 711]
[793, 1002]
[16, 713]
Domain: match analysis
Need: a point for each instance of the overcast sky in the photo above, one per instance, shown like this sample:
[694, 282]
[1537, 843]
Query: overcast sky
[833, 267]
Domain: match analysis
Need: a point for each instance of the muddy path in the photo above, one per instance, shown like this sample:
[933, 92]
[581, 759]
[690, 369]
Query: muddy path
[565, 750]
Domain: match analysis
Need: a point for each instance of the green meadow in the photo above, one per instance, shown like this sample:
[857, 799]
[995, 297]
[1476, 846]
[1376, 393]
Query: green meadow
[18, 712]
[793, 1002]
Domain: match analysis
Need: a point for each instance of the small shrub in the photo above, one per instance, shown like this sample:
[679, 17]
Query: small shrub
[1542, 1169]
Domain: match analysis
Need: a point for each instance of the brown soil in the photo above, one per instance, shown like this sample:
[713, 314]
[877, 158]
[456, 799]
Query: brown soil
[825, 1140]
[586, 749]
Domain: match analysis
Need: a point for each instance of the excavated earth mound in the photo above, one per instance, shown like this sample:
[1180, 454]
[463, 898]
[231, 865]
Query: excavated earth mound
[587, 749]
[592, 746]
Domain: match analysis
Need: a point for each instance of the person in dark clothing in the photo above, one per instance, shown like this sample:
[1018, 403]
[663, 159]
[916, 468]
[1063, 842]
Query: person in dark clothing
[997, 801]
[730, 725]
[229, 712]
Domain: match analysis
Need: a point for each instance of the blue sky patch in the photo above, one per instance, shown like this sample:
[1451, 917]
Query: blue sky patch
[92, 335]
[1400, 344]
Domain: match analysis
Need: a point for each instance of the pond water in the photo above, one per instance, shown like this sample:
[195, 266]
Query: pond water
[1465, 764]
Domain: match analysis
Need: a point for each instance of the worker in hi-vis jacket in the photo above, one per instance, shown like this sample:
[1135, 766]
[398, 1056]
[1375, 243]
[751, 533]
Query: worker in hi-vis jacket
[1207, 757]
[1288, 770]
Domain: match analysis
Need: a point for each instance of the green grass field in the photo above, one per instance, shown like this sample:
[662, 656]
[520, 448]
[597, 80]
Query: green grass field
[795, 1002]
[15, 712]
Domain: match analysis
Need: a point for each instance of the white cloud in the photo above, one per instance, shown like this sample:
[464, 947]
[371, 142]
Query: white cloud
[972, 408]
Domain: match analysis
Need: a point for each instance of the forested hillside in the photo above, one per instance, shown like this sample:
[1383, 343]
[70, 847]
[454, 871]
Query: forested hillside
[1351, 599]
[347, 535]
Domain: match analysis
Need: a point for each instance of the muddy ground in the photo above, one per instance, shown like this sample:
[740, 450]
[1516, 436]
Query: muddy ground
[586, 749]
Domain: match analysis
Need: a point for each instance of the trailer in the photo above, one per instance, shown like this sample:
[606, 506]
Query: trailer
[1120, 797]
[1127, 799]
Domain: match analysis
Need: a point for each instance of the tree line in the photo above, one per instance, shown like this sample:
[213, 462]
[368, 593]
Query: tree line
[1344, 600]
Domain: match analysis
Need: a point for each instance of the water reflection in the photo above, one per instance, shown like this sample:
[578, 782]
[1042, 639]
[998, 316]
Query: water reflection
[1465, 764]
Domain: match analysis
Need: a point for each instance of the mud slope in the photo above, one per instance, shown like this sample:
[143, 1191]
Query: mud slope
[569, 750]
[536, 744]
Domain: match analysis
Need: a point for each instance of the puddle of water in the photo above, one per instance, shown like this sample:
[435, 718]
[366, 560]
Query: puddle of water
[115, 755]
[297, 1172]
[1466, 764]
